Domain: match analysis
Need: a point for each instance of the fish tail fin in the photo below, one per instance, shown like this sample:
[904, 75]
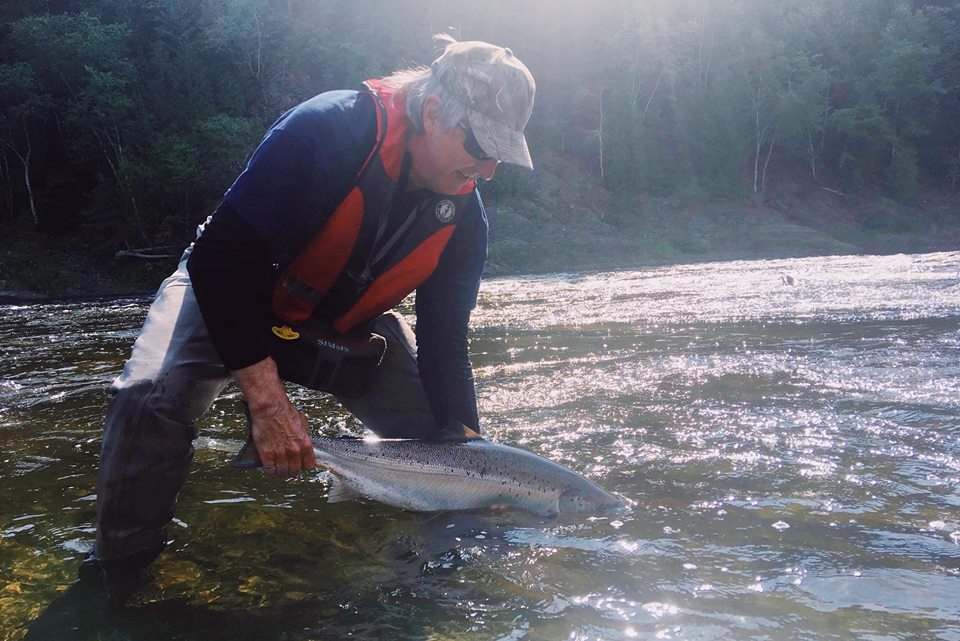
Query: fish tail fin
[248, 457]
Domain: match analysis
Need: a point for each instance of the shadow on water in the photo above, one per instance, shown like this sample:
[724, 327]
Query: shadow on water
[84, 612]
[402, 596]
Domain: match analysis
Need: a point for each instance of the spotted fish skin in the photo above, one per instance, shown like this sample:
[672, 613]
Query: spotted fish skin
[428, 476]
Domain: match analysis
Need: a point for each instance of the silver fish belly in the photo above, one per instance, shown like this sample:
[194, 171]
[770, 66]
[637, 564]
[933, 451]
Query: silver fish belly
[428, 476]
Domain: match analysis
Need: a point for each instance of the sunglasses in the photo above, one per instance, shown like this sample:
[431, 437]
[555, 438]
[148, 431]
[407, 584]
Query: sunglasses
[471, 145]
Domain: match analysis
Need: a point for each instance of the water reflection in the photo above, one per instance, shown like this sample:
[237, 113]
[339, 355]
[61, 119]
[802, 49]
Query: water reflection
[792, 453]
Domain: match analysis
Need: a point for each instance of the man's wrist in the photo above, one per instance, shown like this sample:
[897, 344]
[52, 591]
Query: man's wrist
[261, 385]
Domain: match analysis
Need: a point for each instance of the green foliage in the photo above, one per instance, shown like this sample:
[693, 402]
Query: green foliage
[131, 117]
[33, 263]
[902, 174]
[23, 105]
[18, 94]
[866, 137]
[224, 143]
[904, 69]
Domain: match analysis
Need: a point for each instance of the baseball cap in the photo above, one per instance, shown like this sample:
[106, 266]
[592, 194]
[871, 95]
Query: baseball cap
[497, 90]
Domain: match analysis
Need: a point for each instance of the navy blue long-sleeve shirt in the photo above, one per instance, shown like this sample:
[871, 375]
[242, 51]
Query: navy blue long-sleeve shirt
[302, 170]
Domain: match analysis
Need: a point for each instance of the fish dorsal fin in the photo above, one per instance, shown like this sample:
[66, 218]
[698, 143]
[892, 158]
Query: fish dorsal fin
[456, 432]
[340, 491]
[470, 435]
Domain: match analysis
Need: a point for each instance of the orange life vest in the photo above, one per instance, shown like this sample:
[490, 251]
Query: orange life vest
[349, 235]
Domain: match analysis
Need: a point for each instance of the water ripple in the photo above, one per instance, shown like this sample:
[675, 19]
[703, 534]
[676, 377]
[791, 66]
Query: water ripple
[792, 451]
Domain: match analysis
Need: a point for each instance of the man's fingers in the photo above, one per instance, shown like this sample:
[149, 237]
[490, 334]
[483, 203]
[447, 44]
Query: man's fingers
[289, 464]
[308, 459]
[269, 467]
[282, 464]
[284, 443]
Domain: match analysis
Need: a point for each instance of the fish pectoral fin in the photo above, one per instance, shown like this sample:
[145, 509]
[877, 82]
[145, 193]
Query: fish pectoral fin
[341, 491]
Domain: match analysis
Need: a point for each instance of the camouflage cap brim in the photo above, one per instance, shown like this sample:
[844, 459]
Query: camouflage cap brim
[500, 140]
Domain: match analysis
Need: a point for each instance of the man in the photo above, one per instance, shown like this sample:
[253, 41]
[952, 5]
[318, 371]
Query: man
[352, 200]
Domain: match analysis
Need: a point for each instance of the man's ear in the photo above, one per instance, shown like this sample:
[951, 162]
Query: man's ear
[432, 117]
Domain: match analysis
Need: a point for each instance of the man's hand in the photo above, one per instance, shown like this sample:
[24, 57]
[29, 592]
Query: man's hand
[279, 430]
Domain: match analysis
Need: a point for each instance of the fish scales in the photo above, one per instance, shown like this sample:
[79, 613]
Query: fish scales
[428, 476]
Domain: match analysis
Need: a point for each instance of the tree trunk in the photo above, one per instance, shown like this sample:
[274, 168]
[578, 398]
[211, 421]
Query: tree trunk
[758, 134]
[116, 169]
[25, 161]
[149, 253]
[756, 152]
[813, 158]
[760, 131]
[704, 59]
[759, 175]
[600, 98]
[653, 92]
[763, 179]
[843, 154]
[26, 180]
[599, 130]
[8, 182]
[955, 170]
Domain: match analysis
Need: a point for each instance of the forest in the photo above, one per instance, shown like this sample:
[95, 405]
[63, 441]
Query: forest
[122, 122]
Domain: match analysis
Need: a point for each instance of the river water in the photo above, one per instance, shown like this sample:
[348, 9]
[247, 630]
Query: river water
[788, 430]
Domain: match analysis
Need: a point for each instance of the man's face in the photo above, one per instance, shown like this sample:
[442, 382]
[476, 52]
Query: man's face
[441, 163]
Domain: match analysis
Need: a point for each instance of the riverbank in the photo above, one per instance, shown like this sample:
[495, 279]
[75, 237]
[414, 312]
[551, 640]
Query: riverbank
[573, 225]
[559, 219]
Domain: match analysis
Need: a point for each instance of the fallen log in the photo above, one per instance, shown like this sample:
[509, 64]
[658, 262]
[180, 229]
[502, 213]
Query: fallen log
[148, 253]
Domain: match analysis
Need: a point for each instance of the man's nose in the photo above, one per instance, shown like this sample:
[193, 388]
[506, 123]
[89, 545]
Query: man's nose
[487, 168]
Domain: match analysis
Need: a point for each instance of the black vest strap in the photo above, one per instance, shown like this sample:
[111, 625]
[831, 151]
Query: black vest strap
[378, 251]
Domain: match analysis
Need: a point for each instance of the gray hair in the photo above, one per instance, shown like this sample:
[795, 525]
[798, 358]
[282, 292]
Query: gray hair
[418, 83]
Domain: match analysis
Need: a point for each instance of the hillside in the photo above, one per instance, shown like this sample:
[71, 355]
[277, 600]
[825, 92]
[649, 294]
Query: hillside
[560, 219]
[572, 223]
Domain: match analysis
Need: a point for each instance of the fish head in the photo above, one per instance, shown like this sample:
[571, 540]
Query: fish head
[589, 501]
